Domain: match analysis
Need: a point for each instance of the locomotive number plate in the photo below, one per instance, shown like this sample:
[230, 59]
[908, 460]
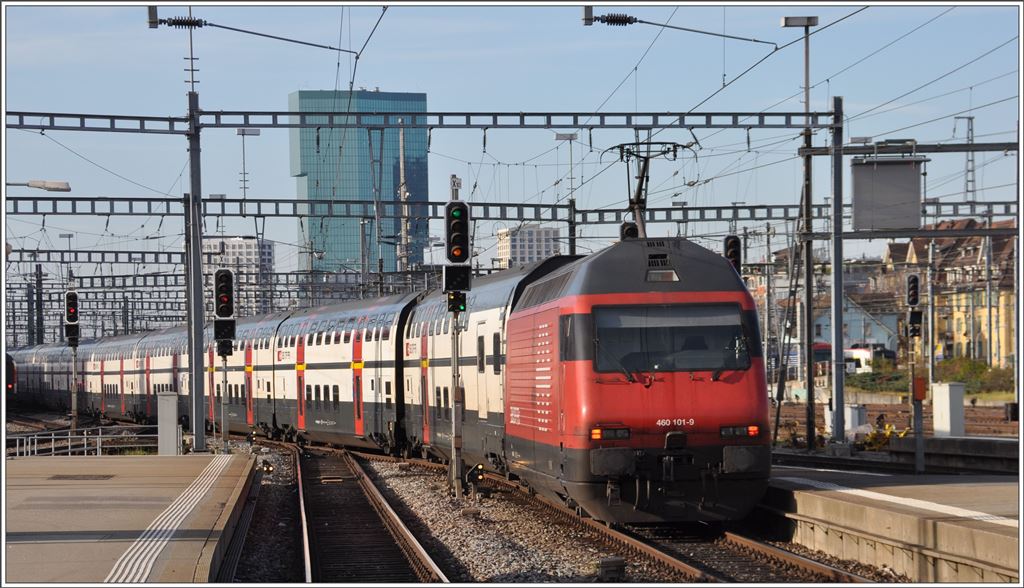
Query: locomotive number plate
[675, 422]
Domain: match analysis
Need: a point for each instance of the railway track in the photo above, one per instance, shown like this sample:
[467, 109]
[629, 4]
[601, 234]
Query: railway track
[728, 557]
[708, 556]
[353, 534]
[684, 551]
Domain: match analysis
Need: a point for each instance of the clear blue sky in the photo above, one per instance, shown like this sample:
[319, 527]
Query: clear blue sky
[105, 60]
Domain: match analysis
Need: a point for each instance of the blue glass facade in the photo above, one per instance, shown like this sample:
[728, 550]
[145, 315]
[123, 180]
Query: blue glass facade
[336, 164]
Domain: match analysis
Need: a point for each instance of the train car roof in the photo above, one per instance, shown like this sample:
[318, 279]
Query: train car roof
[494, 290]
[629, 266]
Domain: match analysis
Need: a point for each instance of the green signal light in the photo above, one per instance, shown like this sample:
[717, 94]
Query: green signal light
[457, 212]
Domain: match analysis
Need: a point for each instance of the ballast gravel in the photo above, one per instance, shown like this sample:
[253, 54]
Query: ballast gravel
[498, 538]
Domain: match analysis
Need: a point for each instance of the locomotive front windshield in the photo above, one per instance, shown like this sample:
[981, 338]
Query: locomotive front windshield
[670, 338]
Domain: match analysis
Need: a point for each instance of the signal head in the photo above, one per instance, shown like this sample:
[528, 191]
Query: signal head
[913, 290]
[71, 308]
[733, 252]
[224, 293]
[456, 302]
[456, 215]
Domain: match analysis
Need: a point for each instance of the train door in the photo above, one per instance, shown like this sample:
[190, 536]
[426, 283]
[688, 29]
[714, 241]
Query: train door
[424, 389]
[248, 384]
[148, 388]
[300, 380]
[357, 379]
[121, 384]
[480, 344]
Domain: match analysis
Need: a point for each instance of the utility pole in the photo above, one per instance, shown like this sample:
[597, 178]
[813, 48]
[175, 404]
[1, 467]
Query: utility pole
[838, 342]
[988, 292]
[39, 304]
[974, 341]
[30, 293]
[970, 191]
[194, 245]
[808, 244]
[403, 196]
[770, 270]
[931, 312]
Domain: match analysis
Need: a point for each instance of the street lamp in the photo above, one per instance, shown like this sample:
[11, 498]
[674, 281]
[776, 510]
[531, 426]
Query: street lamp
[808, 335]
[48, 185]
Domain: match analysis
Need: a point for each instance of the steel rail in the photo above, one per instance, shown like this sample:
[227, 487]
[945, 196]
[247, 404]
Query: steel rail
[833, 574]
[307, 563]
[425, 567]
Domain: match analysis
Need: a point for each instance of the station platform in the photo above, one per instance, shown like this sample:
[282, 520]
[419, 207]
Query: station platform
[931, 528]
[131, 519]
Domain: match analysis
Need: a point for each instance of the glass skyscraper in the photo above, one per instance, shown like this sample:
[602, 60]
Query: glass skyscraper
[349, 164]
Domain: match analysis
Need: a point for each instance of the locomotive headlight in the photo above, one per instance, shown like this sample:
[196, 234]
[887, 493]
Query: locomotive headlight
[598, 434]
[747, 431]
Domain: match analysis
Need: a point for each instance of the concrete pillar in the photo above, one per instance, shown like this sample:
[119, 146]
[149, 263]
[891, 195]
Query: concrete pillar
[167, 424]
[948, 409]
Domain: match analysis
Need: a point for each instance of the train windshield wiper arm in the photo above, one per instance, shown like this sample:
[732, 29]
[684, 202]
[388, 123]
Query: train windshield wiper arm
[622, 368]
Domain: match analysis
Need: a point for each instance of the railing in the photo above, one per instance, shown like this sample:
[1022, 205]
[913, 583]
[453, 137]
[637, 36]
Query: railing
[91, 441]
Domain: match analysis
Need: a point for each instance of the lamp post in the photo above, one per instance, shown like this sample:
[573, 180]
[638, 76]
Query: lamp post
[48, 185]
[808, 335]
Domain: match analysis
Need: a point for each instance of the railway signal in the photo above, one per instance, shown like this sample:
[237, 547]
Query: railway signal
[913, 290]
[475, 475]
[628, 230]
[456, 235]
[914, 320]
[456, 302]
[456, 278]
[224, 292]
[71, 318]
[733, 252]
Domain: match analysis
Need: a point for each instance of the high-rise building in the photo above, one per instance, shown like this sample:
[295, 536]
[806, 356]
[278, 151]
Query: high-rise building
[357, 164]
[251, 259]
[525, 244]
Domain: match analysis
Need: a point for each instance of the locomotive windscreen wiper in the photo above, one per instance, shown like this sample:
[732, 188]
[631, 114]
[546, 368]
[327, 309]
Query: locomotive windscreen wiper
[622, 368]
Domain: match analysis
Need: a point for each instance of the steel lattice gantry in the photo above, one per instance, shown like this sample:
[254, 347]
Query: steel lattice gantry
[49, 204]
[53, 121]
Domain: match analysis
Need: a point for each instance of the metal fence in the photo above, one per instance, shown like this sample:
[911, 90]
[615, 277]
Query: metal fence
[91, 441]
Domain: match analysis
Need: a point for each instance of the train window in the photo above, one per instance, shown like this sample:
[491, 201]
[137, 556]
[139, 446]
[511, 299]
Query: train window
[337, 337]
[481, 358]
[268, 389]
[437, 402]
[369, 334]
[317, 394]
[309, 395]
[497, 352]
[217, 388]
[446, 321]
[309, 339]
[335, 397]
[319, 338]
[387, 394]
[385, 333]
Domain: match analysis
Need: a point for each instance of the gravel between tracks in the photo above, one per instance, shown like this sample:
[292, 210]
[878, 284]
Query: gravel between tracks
[508, 541]
[880, 575]
[273, 543]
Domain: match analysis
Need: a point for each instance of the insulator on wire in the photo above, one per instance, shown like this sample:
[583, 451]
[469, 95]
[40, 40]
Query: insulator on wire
[183, 22]
[618, 20]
